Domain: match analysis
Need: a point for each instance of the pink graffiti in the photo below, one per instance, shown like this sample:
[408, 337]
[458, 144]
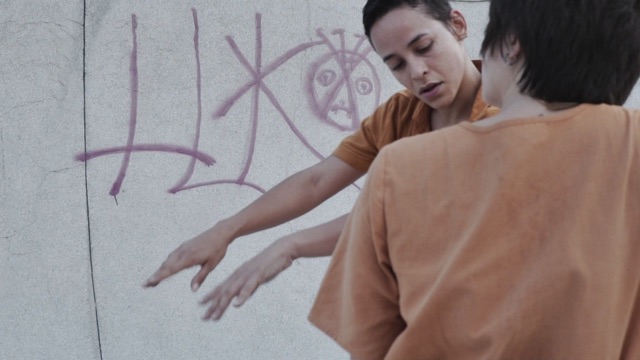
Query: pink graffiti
[334, 73]
[192, 164]
[347, 60]
[133, 117]
[337, 86]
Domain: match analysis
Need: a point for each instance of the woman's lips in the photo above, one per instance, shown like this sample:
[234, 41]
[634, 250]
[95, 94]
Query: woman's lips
[431, 90]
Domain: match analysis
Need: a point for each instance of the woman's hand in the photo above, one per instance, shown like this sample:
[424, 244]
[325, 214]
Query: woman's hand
[206, 250]
[319, 240]
[248, 277]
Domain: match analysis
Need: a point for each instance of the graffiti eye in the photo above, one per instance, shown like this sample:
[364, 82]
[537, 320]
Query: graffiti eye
[364, 86]
[326, 77]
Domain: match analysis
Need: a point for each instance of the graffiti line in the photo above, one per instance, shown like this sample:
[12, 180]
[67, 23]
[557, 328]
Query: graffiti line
[286, 118]
[361, 40]
[192, 163]
[256, 99]
[343, 45]
[224, 182]
[200, 156]
[231, 100]
[133, 113]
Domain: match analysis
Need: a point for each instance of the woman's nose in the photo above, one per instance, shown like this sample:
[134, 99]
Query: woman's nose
[418, 70]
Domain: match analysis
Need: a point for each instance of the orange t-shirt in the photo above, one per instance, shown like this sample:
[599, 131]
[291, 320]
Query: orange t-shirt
[519, 240]
[401, 116]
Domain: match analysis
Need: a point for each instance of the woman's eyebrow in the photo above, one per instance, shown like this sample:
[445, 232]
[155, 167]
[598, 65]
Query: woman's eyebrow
[413, 41]
[416, 38]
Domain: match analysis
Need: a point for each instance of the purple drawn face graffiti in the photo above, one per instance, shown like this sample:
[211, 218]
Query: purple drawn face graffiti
[342, 85]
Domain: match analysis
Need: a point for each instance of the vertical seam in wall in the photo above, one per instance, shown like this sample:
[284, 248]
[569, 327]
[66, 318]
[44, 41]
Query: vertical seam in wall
[86, 177]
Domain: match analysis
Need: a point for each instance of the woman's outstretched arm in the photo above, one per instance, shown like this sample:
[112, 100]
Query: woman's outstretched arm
[291, 198]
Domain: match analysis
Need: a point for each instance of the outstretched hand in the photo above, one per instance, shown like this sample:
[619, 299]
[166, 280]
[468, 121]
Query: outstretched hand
[247, 278]
[206, 250]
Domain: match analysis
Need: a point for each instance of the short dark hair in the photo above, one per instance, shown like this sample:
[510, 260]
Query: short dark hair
[375, 9]
[585, 51]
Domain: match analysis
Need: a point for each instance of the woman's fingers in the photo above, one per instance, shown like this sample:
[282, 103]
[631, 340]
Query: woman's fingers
[247, 290]
[218, 300]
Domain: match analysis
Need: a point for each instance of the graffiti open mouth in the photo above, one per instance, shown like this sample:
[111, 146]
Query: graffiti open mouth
[341, 116]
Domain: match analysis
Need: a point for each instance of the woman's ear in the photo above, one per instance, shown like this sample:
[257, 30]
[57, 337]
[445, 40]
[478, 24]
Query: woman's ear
[513, 46]
[458, 25]
[512, 52]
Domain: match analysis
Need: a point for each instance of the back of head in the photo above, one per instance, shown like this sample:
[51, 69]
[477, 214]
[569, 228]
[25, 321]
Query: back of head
[585, 51]
[376, 9]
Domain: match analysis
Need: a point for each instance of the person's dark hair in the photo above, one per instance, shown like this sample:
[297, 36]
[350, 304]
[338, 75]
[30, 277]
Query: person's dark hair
[375, 9]
[585, 51]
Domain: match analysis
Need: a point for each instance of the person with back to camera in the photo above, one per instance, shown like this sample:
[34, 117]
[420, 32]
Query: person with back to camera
[517, 236]
[443, 88]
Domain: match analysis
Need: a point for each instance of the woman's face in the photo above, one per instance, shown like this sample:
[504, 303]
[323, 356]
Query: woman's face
[423, 54]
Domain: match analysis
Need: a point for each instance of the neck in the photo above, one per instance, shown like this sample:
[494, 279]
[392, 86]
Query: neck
[460, 108]
[517, 105]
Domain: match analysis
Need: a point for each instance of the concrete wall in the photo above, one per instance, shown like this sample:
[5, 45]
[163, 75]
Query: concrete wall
[128, 127]
[46, 300]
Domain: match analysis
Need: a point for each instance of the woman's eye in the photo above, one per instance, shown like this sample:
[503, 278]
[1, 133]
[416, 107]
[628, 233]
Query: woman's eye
[398, 66]
[425, 49]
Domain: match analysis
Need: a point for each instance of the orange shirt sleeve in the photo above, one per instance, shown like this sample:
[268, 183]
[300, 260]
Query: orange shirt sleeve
[401, 116]
[360, 148]
[358, 300]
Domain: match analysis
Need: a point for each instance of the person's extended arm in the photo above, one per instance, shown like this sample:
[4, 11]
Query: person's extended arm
[289, 199]
[316, 241]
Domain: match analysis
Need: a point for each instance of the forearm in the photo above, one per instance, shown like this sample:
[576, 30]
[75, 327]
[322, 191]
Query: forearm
[284, 202]
[291, 198]
[316, 241]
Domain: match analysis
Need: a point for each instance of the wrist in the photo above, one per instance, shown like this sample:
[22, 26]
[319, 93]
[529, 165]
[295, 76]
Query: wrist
[229, 228]
[289, 246]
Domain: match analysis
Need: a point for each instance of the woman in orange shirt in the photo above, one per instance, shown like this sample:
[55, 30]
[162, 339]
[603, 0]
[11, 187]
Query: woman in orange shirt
[443, 88]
